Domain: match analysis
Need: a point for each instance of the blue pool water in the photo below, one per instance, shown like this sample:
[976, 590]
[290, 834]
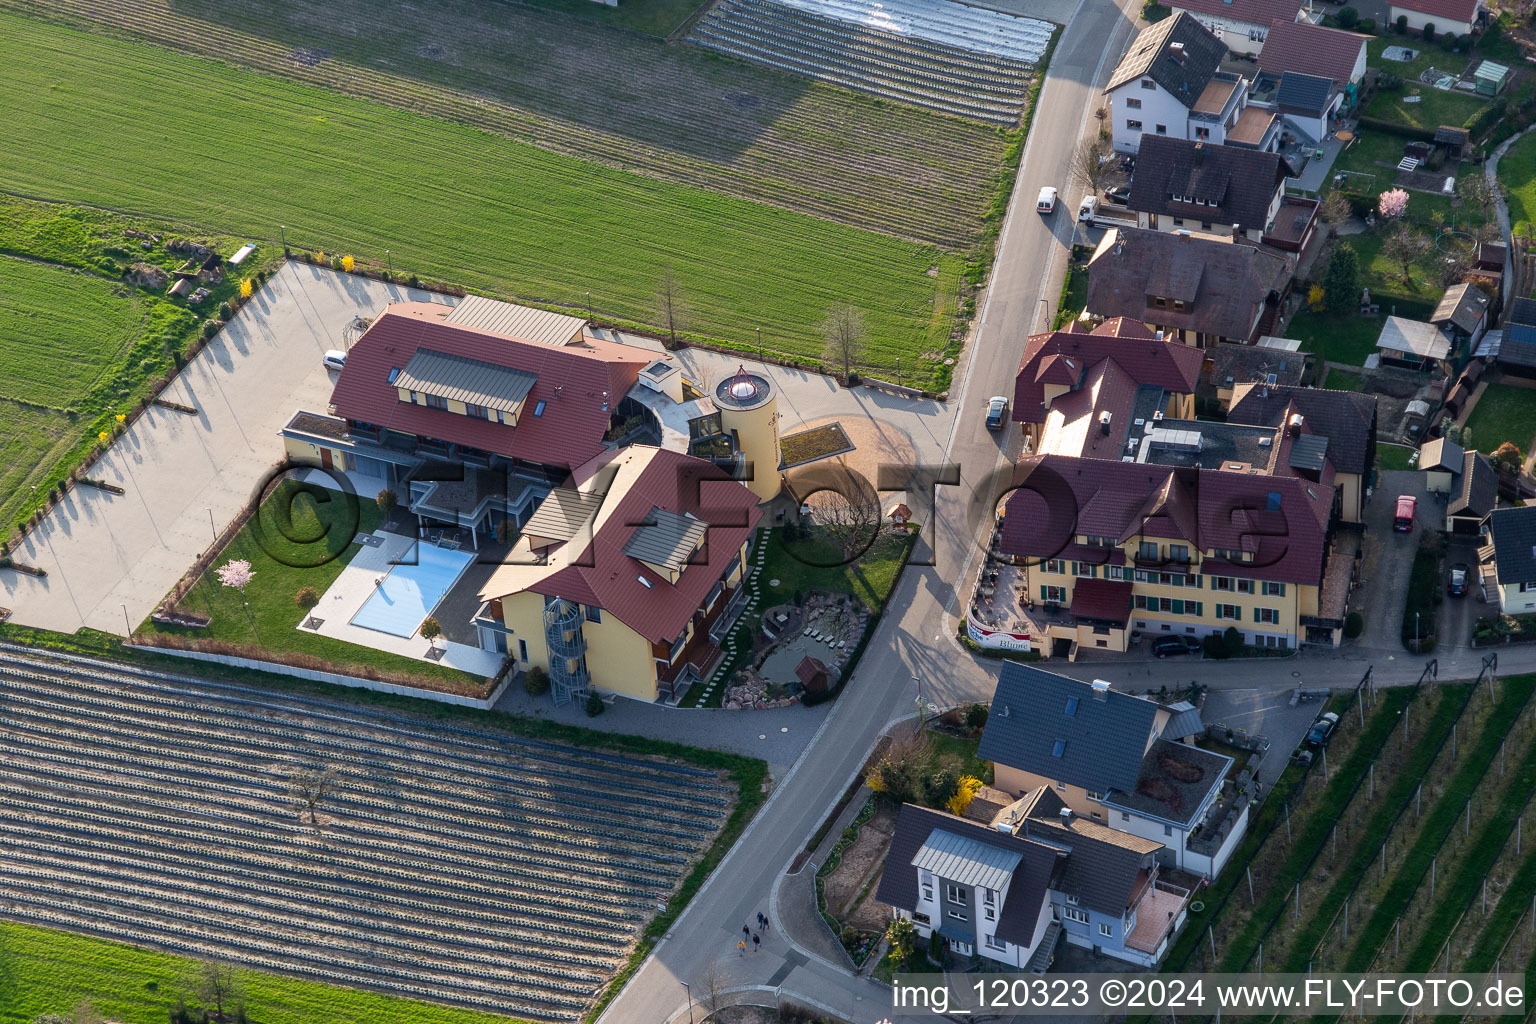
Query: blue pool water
[410, 591]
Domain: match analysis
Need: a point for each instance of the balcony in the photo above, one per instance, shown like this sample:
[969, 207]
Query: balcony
[728, 617]
[1159, 914]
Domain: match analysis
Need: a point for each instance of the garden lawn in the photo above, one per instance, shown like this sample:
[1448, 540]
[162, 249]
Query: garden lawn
[1338, 380]
[1335, 338]
[449, 201]
[1394, 456]
[1503, 412]
[1437, 106]
[312, 542]
[1517, 173]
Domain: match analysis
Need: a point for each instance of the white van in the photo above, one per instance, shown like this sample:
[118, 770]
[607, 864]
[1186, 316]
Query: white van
[1047, 201]
[1087, 209]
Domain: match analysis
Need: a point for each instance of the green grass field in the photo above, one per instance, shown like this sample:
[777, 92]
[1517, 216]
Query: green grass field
[1337, 338]
[1504, 412]
[1517, 173]
[449, 201]
[294, 542]
[648, 17]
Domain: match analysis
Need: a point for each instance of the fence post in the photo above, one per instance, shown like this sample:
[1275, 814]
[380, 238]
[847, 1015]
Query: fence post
[1211, 933]
[1288, 822]
[1325, 764]
[1397, 934]
[1432, 862]
[1346, 920]
[1418, 801]
[1370, 791]
[1249, 871]
[1261, 958]
[1335, 841]
[1296, 905]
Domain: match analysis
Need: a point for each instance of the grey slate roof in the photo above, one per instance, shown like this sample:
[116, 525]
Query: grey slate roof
[1236, 185]
[1479, 491]
[1345, 418]
[1245, 363]
[1186, 721]
[1309, 452]
[466, 380]
[1174, 780]
[1300, 93]
[957, 858]
[1101, 742]
[1514, 543]
[666, 538]
[562, 514]
[1103, 868]
[1026, 890]
[1441, 453]
[1152, 54]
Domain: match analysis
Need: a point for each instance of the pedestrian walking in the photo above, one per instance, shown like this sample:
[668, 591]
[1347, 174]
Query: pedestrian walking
[741, 948]
[746, 933]
[756, 943]
[766, 923]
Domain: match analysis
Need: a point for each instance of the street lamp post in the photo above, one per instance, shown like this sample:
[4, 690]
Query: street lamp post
[389, 260]
[212, 529]
[589, 303]
[1046, 303]
[687, 988]
[284, 229]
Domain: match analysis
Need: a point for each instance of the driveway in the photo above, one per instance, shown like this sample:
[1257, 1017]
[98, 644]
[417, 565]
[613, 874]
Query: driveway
[1459, 614]
[1389, 556]
[111, 558]
[1266, 711]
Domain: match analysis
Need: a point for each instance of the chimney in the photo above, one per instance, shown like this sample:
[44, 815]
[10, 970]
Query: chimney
[1101, 689]
[1066, 814]
[1104, 420]
[1176, 51]
[1295, 423]
[1237, 233]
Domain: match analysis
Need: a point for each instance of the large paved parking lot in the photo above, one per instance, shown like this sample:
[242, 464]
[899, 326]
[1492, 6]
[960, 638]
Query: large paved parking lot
[111, 558]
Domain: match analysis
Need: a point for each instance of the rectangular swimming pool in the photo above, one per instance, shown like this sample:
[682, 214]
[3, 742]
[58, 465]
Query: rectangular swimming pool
[412, 589]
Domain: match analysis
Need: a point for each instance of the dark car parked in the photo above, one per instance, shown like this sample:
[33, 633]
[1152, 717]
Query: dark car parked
[1456, 581]
[1163, 646]
[1118, 194]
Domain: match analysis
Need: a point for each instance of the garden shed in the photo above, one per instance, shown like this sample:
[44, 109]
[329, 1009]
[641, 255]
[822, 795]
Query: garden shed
[1490, 78]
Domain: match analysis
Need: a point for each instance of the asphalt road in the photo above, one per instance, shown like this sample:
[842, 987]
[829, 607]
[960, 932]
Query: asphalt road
[915, 638]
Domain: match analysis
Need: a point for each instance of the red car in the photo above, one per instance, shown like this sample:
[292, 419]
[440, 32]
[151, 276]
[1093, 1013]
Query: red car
[1402, 519]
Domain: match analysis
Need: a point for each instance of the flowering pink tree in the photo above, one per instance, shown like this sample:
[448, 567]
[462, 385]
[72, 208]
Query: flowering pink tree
[1392, 203]
[236, 573]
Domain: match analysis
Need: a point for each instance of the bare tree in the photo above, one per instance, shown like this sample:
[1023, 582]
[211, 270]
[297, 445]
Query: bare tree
[670, 306]
[846, 336]
[847, 512]
[217, 984]
[1335, 209]
[1090, 165]
[1402, 247]
[1477, 190]
[709, 990]
[308, 786]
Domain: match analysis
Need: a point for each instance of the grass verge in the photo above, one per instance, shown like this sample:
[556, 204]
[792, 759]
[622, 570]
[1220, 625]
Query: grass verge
[1503, 412]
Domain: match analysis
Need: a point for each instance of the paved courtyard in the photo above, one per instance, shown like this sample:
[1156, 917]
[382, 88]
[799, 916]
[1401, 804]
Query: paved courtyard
[111, 558]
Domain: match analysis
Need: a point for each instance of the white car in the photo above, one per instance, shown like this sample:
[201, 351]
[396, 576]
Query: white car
[1047, 201]
[335, 359]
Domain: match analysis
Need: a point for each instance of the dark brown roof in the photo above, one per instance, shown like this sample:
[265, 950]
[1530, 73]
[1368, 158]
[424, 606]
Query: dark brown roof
[1245, 363]
[1199, 181]
[1479, 491]
[1072, 356]
[808, 669]
[1227, 284]
[1175, 781]
[1312, 50]
[1451, 135]
[1108, 600]
[1280, 521]
[1249, 12]
[1464, 306]
[1346, 418]
[1177, 53]
[565, 413]
[1104, 868]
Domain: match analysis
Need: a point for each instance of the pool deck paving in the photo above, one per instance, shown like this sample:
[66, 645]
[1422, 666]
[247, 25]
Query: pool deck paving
[357, 583]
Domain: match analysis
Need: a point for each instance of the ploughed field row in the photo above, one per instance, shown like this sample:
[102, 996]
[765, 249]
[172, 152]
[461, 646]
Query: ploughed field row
[465, 866]
[668, 112]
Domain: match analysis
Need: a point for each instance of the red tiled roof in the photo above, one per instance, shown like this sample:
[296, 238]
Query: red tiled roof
[1249, 12]
[638, 479]
[1300, 46]
[1459, 11]
[1056, 498]
[572, 382]
[1102, 599]
[1068, 356]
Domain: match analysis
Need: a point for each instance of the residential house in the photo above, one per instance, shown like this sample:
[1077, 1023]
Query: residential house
[1474, 492]
[1414, 344]
[1512, 534]
[1125, 549]
[1517, 352]
[1344, 421]
[1242, 25]
[1300, 47]
[627, 579]
[1308, 102]
[1108, 756]
[1170, 83]
[1222, 192]
[1462, 315]
[1458, 16]
[1200, 291]
[1077, 392]
[1227, 366]
[1009, 888]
